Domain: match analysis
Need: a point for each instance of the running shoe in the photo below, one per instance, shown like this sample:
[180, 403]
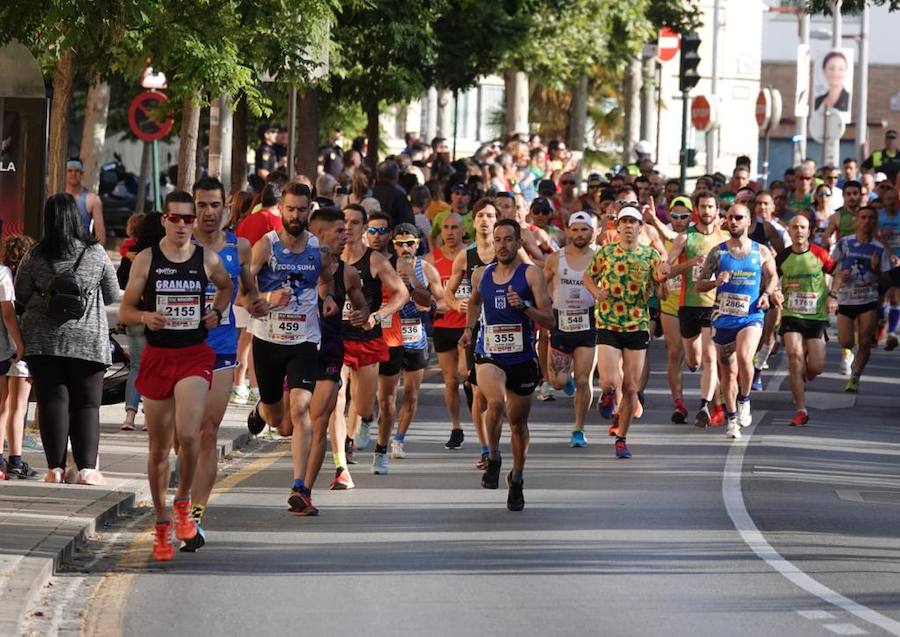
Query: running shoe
[300, 504]
[195, 543]
[21, 471]
[847, 358]
[733, 429]
[892, 343]
[397, 450]
[3, 474]
[799, 419]
[363, 437]
[880, 333]
[515, 497]
[745, 418]
[483, 461]
[341, 480]
[90, 476]
[456, 439]
[380, 463]
[255, 422]
[717, 418]
[569, 389]
[545, 392]
[240, 395]
[350, 450]
[614, 427]
[163, 551]
[757, 380]
[490, 479]
[679, 416]
[578, 440]
[702, 419]
[54, 476]
[622, 449]
[852, 385]
[607, 404]
[185, 527]
[253, 395]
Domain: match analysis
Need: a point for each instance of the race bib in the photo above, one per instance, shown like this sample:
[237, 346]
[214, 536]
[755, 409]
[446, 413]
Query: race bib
[674, 283]
[503, 339]
[411, 330]
[732, 304]
[464, 290]
[859, 293]
[574, 320]
[345, 313]
[182, 311]
[226, 313]
[802, 302]
[285, 327]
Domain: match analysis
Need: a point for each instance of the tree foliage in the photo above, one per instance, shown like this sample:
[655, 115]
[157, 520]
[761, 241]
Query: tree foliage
[850, 6]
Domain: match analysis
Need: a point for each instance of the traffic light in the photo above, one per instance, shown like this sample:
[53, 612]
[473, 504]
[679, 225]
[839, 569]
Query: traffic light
[688, 73]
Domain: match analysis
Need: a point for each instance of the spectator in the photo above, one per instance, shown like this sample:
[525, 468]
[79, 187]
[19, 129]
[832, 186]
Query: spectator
[326, 190]
[67, 359]
[886, 160]
[850, 171]
[241, 201]
[265, 219]
[389, 194]
[361, 185]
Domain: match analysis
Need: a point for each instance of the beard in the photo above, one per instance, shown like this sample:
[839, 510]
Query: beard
[580, 242]
[295, 227]
[737, 234]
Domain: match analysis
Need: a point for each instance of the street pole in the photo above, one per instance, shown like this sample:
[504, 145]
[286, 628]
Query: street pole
[292, 131]
[455, 120]
[862, 100]
[802, 121]
[684, 126]
[157, 196]
[712, 135]
[831, 138]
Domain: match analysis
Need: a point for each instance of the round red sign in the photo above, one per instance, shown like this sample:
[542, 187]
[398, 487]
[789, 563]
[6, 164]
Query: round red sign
[700, 113]
[762, 108]
[667, 44]
[144, 117]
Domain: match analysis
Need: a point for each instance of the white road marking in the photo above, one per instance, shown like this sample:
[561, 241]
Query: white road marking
[815, 614]
[845, 629]
[743, 523]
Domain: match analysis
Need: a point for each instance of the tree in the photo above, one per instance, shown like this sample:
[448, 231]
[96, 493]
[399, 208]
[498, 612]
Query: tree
[850, 6]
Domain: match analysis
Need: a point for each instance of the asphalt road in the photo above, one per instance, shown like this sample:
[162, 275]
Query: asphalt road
[788, 531]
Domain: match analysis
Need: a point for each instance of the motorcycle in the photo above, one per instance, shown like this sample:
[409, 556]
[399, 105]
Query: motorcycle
[118, 192]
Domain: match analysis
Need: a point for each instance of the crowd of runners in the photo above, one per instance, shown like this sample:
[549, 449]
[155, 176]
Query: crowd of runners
[333, 311]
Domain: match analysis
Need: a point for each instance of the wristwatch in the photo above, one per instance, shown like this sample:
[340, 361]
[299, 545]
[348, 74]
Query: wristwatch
[526, 305]
[377, 318]
[218, 314]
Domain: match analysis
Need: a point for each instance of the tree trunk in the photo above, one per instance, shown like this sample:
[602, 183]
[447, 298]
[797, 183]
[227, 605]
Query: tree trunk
[516, 102]
[373, 132]
[239, 146]
[226, 128]
[308, 137]
[444, 114]
[63, 79]
[648, 97]
[214, 158]
[144, 178]
[631, 108]
[95, 115]
[187, 149]
[578, 119]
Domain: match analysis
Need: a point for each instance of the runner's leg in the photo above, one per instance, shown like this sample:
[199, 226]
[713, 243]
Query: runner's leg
[449, 362]
[207, 458]
[585, 358]
[160, 416]
[301, 440]
[322, 405]
[793, 346]
[633, 362]
[408, 405]
[190, 403]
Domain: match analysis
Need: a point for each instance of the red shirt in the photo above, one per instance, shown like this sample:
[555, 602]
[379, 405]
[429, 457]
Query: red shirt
[452, 318]
[258, 224]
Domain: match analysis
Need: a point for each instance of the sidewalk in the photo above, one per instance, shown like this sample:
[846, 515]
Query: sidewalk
[41, 524]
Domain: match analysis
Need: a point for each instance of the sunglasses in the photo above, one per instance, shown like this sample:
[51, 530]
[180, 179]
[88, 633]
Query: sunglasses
[593, 186]
[680, 216]
[405, 243]
[736, 217]
[378, 231]
[567, 183]
[171, 217]
[823, 194]
[623, 202]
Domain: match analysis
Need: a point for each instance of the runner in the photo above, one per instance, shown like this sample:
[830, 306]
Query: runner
[860, 260]
[622, 277]
[288, 264]
[741, 267]
[328, 226]
[209, 202]
[889, 234]
[449, 325]
[406, 326]
[166, 293]
[573, 337]
[803, 267]
[510, 296]
[695, 307]
[364, 346]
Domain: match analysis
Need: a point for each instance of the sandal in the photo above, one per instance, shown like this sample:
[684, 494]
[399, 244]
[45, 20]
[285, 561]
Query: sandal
[127, 426]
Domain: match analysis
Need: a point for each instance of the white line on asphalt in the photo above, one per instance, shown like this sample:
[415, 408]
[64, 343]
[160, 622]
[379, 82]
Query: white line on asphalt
[743, 523]
[815, 614]
[845, 629]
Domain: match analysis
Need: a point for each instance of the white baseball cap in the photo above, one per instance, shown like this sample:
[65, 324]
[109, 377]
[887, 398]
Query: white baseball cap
[582, 217]
[630, 211]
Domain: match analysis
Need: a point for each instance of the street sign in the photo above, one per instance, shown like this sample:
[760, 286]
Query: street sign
[763, 109]
[702, 114]
[667, 44]
[143, 116]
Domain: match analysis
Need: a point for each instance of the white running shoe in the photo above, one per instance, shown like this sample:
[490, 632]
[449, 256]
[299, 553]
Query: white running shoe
[240, 395]
[380, 464]
[253, 396]
[847, 359]
[397, 450]
[733, 429]
[362, 437]
[745, 418]
[545, 392]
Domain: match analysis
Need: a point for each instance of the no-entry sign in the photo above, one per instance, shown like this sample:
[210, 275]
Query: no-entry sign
[145, 119]
[667, 44]
[701, 114]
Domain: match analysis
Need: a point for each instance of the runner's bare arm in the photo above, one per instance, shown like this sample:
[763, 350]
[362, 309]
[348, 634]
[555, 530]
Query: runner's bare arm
[655, 241]
[831, 228]
[706, 281]
[529, 244]
[96, 207]
[456, 275]
[542, 312]
[473, 310]
[433, 280]
[137, 280]
[353, 286]
[248, 292]
[550, 266]
[769, 277]
[385, 272]
[676, 268]
[326, 283]
[216, 272]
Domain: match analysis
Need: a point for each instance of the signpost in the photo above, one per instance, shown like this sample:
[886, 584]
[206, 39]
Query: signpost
[768, 116]
[145, 119]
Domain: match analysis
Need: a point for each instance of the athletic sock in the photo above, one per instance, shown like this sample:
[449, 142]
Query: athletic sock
[399, 437]
[339, 459]
[516, 475]
[893, 319]
[197, 512]
[298, 484]
[730, 414]
[305, 491]
[485, 449]
[467, 390]
[380, 448]
[618, 438]
[743, 399]
[15, 461]
[703, 403]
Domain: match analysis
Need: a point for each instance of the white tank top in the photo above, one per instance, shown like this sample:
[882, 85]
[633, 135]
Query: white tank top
[570, 292]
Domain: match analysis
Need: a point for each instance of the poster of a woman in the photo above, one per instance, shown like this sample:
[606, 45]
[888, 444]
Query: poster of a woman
[834, 81]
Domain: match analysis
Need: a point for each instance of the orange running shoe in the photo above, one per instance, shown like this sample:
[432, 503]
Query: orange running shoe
[717, 418]
[341, 481]
[185, 527]
[163, 551]
[614, 427]
[800, 419]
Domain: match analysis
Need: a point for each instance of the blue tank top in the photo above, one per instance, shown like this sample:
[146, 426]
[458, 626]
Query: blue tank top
[736, 301]
[86, 218]
[413, 321]
[889, 228]
[506, 334]
[223, 339]
[298, 321]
